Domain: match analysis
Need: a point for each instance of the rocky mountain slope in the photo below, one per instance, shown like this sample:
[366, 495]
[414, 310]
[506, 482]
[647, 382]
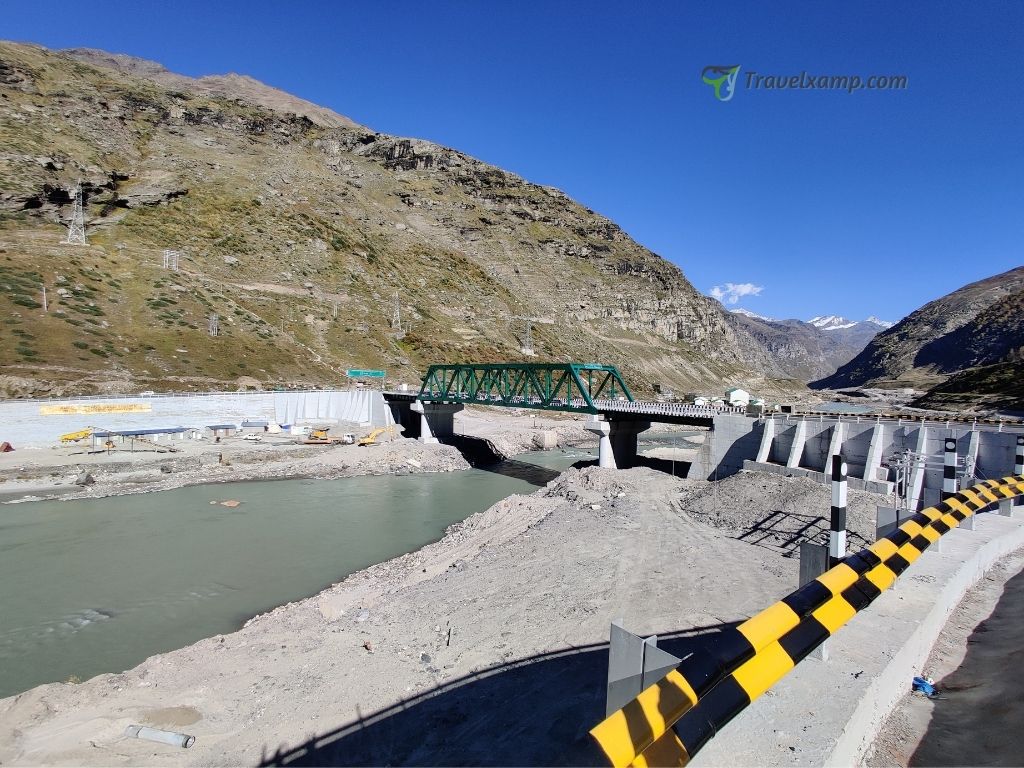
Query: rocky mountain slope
[806, 350]
[981, 324]
[306, 235]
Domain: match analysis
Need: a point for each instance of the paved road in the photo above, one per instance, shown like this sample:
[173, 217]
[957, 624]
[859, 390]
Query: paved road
[978, 664]
[979, 721]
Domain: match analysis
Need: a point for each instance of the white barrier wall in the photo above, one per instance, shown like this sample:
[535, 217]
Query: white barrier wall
[39, 423]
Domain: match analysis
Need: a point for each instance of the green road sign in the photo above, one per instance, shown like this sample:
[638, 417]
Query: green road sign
[355, 373]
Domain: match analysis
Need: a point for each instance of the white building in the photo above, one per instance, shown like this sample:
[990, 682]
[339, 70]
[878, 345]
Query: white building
[701, 401]
[737, 396]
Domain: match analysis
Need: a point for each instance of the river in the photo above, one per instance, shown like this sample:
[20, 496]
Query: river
[98, 585]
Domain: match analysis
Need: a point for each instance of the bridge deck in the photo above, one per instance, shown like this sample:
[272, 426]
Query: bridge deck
[612, 410]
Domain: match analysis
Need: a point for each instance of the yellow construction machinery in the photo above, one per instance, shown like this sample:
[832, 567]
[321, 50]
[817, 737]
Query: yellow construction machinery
[319, 436]
[74, 437]
[371, 439]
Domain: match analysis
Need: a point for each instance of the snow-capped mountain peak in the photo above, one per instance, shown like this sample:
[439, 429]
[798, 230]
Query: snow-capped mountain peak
[831, 322]
[748, 313]
[837, 322]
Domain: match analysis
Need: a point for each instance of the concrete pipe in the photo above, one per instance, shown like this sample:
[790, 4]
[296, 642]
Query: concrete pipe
[182, 740]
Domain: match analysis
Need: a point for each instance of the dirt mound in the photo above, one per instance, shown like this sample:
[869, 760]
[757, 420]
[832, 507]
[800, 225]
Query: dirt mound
[779, 512]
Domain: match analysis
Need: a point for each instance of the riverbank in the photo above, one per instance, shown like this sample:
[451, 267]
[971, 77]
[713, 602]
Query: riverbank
[50, 473]
[485, 646]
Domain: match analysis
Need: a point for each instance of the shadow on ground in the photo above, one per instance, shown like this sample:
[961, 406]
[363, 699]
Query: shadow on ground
[977, 722]
[783, 532]
[534, 711]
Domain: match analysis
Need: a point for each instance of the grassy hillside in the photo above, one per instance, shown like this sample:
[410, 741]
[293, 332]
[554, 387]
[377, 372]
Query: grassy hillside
[298, 231]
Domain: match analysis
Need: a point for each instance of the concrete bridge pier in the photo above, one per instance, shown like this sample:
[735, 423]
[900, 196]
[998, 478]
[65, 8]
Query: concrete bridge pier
[437, 420]
[617, 448]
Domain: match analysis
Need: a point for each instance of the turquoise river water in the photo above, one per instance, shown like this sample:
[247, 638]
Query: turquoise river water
[91, 586]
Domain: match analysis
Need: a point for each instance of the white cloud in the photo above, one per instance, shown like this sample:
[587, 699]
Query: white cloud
[731, 293]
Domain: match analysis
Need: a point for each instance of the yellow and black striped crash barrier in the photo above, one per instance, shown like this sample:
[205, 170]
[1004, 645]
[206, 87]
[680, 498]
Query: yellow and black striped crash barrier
[670, 721]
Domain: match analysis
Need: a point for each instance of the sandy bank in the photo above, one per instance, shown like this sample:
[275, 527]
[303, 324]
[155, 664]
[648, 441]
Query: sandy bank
[32, 474]
[473, 633]
[53, 474]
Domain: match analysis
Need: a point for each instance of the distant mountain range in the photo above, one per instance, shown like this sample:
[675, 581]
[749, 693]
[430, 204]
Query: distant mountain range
[836, 322]
[966, 346]
[808, 350]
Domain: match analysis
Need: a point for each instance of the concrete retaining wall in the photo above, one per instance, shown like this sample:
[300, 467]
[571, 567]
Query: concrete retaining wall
[801, 446]
[33, 423]
[732, 439]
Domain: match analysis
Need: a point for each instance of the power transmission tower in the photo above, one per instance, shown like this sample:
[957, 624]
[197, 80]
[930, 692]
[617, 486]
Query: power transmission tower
[214, 325]
[527, 341]
[76, 227]
[171, 259]
[396, 316]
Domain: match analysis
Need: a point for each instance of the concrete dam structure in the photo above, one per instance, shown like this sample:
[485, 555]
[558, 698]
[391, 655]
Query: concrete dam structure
[876, 450]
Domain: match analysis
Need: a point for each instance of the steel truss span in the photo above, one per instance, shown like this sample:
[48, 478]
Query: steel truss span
[543, 386]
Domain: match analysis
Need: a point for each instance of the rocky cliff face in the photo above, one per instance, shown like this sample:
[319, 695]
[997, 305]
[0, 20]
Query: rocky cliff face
[978, 325]
[317, 243]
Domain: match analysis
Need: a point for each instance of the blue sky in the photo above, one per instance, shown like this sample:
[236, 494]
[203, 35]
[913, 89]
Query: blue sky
[867, 203]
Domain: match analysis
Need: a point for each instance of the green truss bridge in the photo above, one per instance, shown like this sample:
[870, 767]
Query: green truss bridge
[586, 388]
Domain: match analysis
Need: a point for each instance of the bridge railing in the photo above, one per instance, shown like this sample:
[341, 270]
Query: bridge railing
[666, 409]
[669, 722]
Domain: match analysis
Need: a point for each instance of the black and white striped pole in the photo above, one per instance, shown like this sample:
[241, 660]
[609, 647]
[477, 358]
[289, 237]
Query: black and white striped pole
[949, 479]
[837, 534]
[1018, 469]
[949, 469]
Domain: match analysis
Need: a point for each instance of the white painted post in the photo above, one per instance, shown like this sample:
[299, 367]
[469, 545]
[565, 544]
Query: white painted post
[837, 532]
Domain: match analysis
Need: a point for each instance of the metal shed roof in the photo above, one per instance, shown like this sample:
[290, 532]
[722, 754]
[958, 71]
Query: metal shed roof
[141, 432]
